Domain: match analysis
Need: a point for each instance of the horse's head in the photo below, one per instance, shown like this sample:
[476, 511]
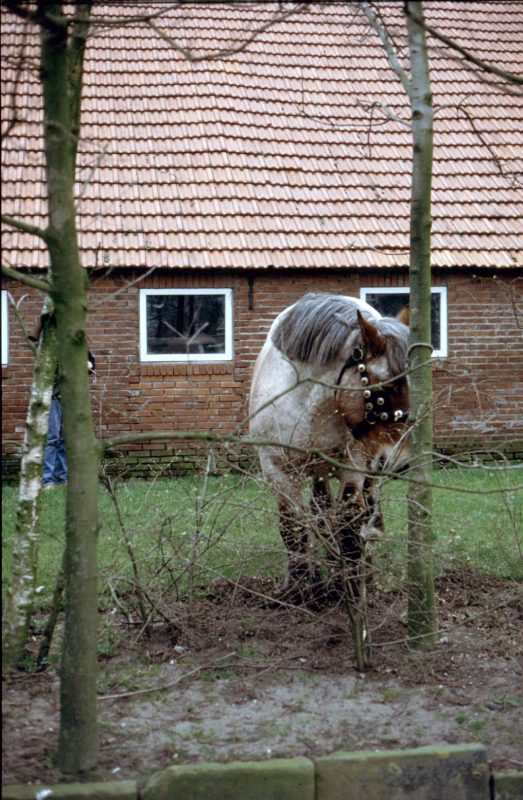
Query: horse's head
[373, 394]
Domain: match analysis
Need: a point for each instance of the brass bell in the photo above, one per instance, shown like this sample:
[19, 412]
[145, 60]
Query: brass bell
[384, 416]
[369, 406]
[364, 381]
[361, 367]
[367, 393]
[380, 401]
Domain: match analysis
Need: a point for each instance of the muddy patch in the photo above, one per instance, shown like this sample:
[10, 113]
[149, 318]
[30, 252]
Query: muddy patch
[248, 680]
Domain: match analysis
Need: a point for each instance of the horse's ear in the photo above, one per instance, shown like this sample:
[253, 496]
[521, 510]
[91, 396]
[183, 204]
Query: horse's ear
[403, 315]
[372, 340]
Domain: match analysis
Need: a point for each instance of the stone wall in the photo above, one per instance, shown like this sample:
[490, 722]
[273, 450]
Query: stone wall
[427, 773]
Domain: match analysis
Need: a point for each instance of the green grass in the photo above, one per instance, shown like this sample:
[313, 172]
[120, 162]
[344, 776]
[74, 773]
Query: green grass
[233, 530]
[471, 528]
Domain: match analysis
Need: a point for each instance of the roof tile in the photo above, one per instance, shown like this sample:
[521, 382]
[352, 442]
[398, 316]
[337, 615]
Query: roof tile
[267, 157]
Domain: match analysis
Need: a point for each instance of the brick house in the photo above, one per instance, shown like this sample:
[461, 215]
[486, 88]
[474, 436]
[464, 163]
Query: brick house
[229, 187]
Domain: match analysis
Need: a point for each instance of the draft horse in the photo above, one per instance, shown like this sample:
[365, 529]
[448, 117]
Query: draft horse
[331, 376]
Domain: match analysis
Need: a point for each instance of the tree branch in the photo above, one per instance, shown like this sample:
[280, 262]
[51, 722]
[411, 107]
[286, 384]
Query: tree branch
[89, 178]
[27, 280]
[25, 227]
[117, 21]
[76, 56]
[18, 316]
[386, 110]
[508, 76]
[513, 178]
[229, 50]
[46, 20]
[389, 47]
[14, 110]
[208, 436]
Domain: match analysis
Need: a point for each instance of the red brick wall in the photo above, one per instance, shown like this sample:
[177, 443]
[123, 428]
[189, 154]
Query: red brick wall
[478, 388]
[480, 385]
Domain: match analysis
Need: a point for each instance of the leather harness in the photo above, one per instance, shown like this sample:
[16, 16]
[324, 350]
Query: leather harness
[378, 407]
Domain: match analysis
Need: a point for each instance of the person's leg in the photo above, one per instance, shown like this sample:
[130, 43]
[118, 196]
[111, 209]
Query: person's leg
[53, 433]
[55, 467]
[60, 469]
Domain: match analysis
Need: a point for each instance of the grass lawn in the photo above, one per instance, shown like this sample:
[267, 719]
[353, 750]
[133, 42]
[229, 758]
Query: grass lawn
[480, 531]
[229, 527]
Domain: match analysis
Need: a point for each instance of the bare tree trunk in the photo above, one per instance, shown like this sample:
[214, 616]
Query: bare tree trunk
[78, 739]
[20, 595]
[421, 613]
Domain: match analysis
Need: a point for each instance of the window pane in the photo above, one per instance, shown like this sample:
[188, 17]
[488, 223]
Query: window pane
[185, 324]
[390, 304]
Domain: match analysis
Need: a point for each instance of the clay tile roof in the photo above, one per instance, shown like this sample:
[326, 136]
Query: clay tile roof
[268, 157]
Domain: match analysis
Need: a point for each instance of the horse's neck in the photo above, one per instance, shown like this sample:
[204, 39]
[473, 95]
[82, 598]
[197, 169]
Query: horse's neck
[319, 381]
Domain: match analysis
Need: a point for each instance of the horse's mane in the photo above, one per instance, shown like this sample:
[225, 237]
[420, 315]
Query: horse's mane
[316, 328]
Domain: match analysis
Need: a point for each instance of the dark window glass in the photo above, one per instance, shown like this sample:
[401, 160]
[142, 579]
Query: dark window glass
[185, 323]
[390, 304]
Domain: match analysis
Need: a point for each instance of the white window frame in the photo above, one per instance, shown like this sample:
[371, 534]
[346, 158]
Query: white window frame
[5, 329]
[185, 357]
[441, 290]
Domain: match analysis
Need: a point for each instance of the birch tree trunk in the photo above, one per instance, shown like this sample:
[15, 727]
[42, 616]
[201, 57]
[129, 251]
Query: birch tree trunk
[20, 594]
[421, 611]
[61, 84]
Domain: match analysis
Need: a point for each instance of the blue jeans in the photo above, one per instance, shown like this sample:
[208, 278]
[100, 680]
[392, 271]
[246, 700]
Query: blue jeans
[55, 465]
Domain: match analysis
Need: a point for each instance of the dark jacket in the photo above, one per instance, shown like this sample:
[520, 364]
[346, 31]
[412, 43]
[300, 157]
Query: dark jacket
[34, 336]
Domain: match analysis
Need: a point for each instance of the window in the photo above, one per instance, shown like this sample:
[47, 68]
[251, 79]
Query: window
[389, 301]
[186, 324]
[5, 330]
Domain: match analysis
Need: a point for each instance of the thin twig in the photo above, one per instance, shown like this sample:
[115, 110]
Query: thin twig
[442, 631]
[89, 178]
[14, 110]
[308, 451]
[386, 110]
[167, 685]
[124, 288]
[228, 51]
[18, 316]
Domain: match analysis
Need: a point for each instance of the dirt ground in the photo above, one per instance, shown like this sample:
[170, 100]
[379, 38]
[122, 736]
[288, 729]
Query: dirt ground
[262, 681]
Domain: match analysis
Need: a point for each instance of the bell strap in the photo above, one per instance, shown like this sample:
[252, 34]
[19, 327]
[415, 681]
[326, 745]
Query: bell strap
[377, 401]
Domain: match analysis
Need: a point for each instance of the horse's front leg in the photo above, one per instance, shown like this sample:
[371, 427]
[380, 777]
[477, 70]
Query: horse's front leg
[302, 570]
[295, 538]
[374, 526]
[321, 510]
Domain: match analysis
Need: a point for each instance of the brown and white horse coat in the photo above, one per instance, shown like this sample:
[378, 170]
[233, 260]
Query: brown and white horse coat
[313, 385]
